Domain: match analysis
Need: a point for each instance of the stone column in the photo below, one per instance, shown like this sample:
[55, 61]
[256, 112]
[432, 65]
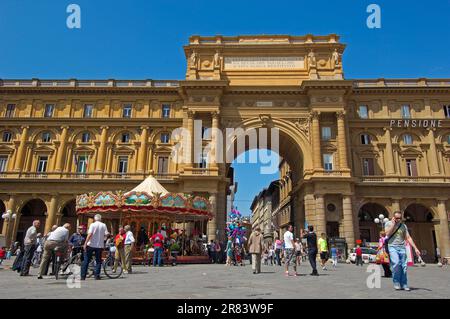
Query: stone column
[321, 219]
[214, 141]
[349, 231]
[190, 146]
[51, 214]
[317, 156]
[390, 169]
[212, 224]
[142, 156]
[395, 205]
[22, 149]
[8, 226]
[444, 235]
[101, 155]
[60, 156]
[433, 159]
[342, 140]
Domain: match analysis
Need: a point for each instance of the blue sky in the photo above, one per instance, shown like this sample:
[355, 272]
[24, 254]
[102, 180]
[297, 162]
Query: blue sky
[140, 39]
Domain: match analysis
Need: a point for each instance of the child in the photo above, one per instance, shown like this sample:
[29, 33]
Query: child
[334, 256]
[265, 257]
[271, 254]
[2, 254]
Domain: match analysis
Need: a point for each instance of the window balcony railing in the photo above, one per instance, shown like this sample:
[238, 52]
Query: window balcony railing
[87, 83]
[90, 176]
[404, 179]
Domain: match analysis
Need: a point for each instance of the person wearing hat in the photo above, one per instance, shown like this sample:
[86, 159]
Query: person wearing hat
[77, 239]
[255, 247]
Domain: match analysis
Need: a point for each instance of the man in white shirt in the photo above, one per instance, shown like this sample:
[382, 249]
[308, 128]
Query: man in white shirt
[58, 239]
[30, 245]
[289, 250]
[94, 244]
[129, 243]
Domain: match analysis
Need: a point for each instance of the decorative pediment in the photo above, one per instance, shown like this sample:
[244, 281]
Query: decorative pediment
[82, 149]
[43, 149]
[123, 149]
[368, 153]
[163, 149]
[6, 149]
[410, 151]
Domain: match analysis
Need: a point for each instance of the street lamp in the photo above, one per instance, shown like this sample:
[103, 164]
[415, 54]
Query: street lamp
[8, 216]
[381, 220]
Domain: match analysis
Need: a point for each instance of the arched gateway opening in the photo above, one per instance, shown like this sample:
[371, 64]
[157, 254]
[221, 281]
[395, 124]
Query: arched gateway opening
[419, 220]
[368, 229]
[69, 215]
[32, 210]
[281, 157]
[2, 210]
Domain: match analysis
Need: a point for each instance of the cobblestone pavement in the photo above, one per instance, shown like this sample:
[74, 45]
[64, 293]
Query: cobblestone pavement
[219, 281]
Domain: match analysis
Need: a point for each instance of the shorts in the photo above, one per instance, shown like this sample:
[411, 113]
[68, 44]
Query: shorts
[298, 253]
[324, 255]
[288, 254]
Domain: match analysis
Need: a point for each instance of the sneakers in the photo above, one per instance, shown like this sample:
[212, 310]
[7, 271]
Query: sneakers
[397, 287]
[324, 268]
[286, 273]
[39, 277]
[406, 288]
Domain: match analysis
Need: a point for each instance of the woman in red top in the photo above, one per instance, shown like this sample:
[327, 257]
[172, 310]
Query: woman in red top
[120, 250]
[158, 241]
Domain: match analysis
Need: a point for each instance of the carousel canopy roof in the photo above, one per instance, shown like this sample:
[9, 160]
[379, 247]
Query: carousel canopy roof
[147, 200]
[149, 185]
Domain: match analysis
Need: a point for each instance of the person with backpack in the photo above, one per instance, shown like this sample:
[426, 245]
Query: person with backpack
[397, 237]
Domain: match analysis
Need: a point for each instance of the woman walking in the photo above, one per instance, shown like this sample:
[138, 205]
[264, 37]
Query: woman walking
[229, 251]
[382, 257]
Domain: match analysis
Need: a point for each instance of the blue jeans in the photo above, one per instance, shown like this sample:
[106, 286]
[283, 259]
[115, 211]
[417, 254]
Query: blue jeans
[398, 262]
[157, 254]
[87, 258]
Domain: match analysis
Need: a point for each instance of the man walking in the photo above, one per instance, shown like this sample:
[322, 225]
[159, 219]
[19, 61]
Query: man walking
[311, 240]
[358, 252]
[398, 236]
[255, 247]
[58, 239]
[129, 243]
[289, 251]
[95, 243]
[30, 245]
[323, 246]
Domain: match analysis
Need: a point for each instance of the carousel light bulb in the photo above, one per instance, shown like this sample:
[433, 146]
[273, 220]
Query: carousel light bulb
[376, 220]
[4, 215]
[385, 220]
[381, 216]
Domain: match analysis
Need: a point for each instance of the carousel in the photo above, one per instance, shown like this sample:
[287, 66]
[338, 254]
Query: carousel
[147, 208]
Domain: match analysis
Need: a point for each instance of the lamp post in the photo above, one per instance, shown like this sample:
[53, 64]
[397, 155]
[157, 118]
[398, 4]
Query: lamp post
[8, 216]
[381, 220]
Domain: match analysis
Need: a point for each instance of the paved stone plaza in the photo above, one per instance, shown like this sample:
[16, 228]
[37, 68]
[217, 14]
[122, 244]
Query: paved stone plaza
[218, 281]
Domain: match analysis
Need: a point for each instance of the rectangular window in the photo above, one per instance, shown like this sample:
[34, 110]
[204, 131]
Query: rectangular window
[365, 139]
[46, 137]
[88, 108]
[126, 113]
[203, 161]
[165, 138]
[49, 108]
[447, 111]
[123, 164]
[406, 111]
[125, 138]
[42, 164]
[85, 137]
[363, 112]
[407, 139]
[10, 110]
[411, 167]
[3, 163]
[7, 136]
[328, 162]
[163, 165]
[82, 162]
[326, 133]
[166, 110]
[368, 167]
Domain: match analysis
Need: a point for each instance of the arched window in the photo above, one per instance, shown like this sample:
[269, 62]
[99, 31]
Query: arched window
[85, 137]
[46, 137]
[365, 139]
[7, 136]
[125, 138]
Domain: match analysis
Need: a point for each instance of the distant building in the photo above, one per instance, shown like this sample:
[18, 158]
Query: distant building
[262, 210]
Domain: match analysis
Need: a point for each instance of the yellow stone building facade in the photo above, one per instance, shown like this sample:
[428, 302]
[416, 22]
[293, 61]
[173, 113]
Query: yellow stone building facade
[355, 148]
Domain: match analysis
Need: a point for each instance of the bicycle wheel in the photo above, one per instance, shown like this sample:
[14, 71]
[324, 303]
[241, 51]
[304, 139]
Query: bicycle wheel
[108, 268]
[91, 269]
[57, 268]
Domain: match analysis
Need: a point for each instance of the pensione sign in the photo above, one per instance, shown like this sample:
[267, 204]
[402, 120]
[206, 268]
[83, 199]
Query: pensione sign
[415, 123]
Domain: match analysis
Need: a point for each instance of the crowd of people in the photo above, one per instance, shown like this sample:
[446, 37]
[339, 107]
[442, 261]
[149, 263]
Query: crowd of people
[290, 251]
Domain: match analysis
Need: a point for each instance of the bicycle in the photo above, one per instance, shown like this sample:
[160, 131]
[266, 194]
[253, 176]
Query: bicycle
[107, 265]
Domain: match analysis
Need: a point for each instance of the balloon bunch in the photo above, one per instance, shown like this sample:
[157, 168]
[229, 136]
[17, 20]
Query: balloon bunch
[234, 226]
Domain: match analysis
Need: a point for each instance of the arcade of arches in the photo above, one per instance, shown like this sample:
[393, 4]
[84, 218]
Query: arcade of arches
[345, 161]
